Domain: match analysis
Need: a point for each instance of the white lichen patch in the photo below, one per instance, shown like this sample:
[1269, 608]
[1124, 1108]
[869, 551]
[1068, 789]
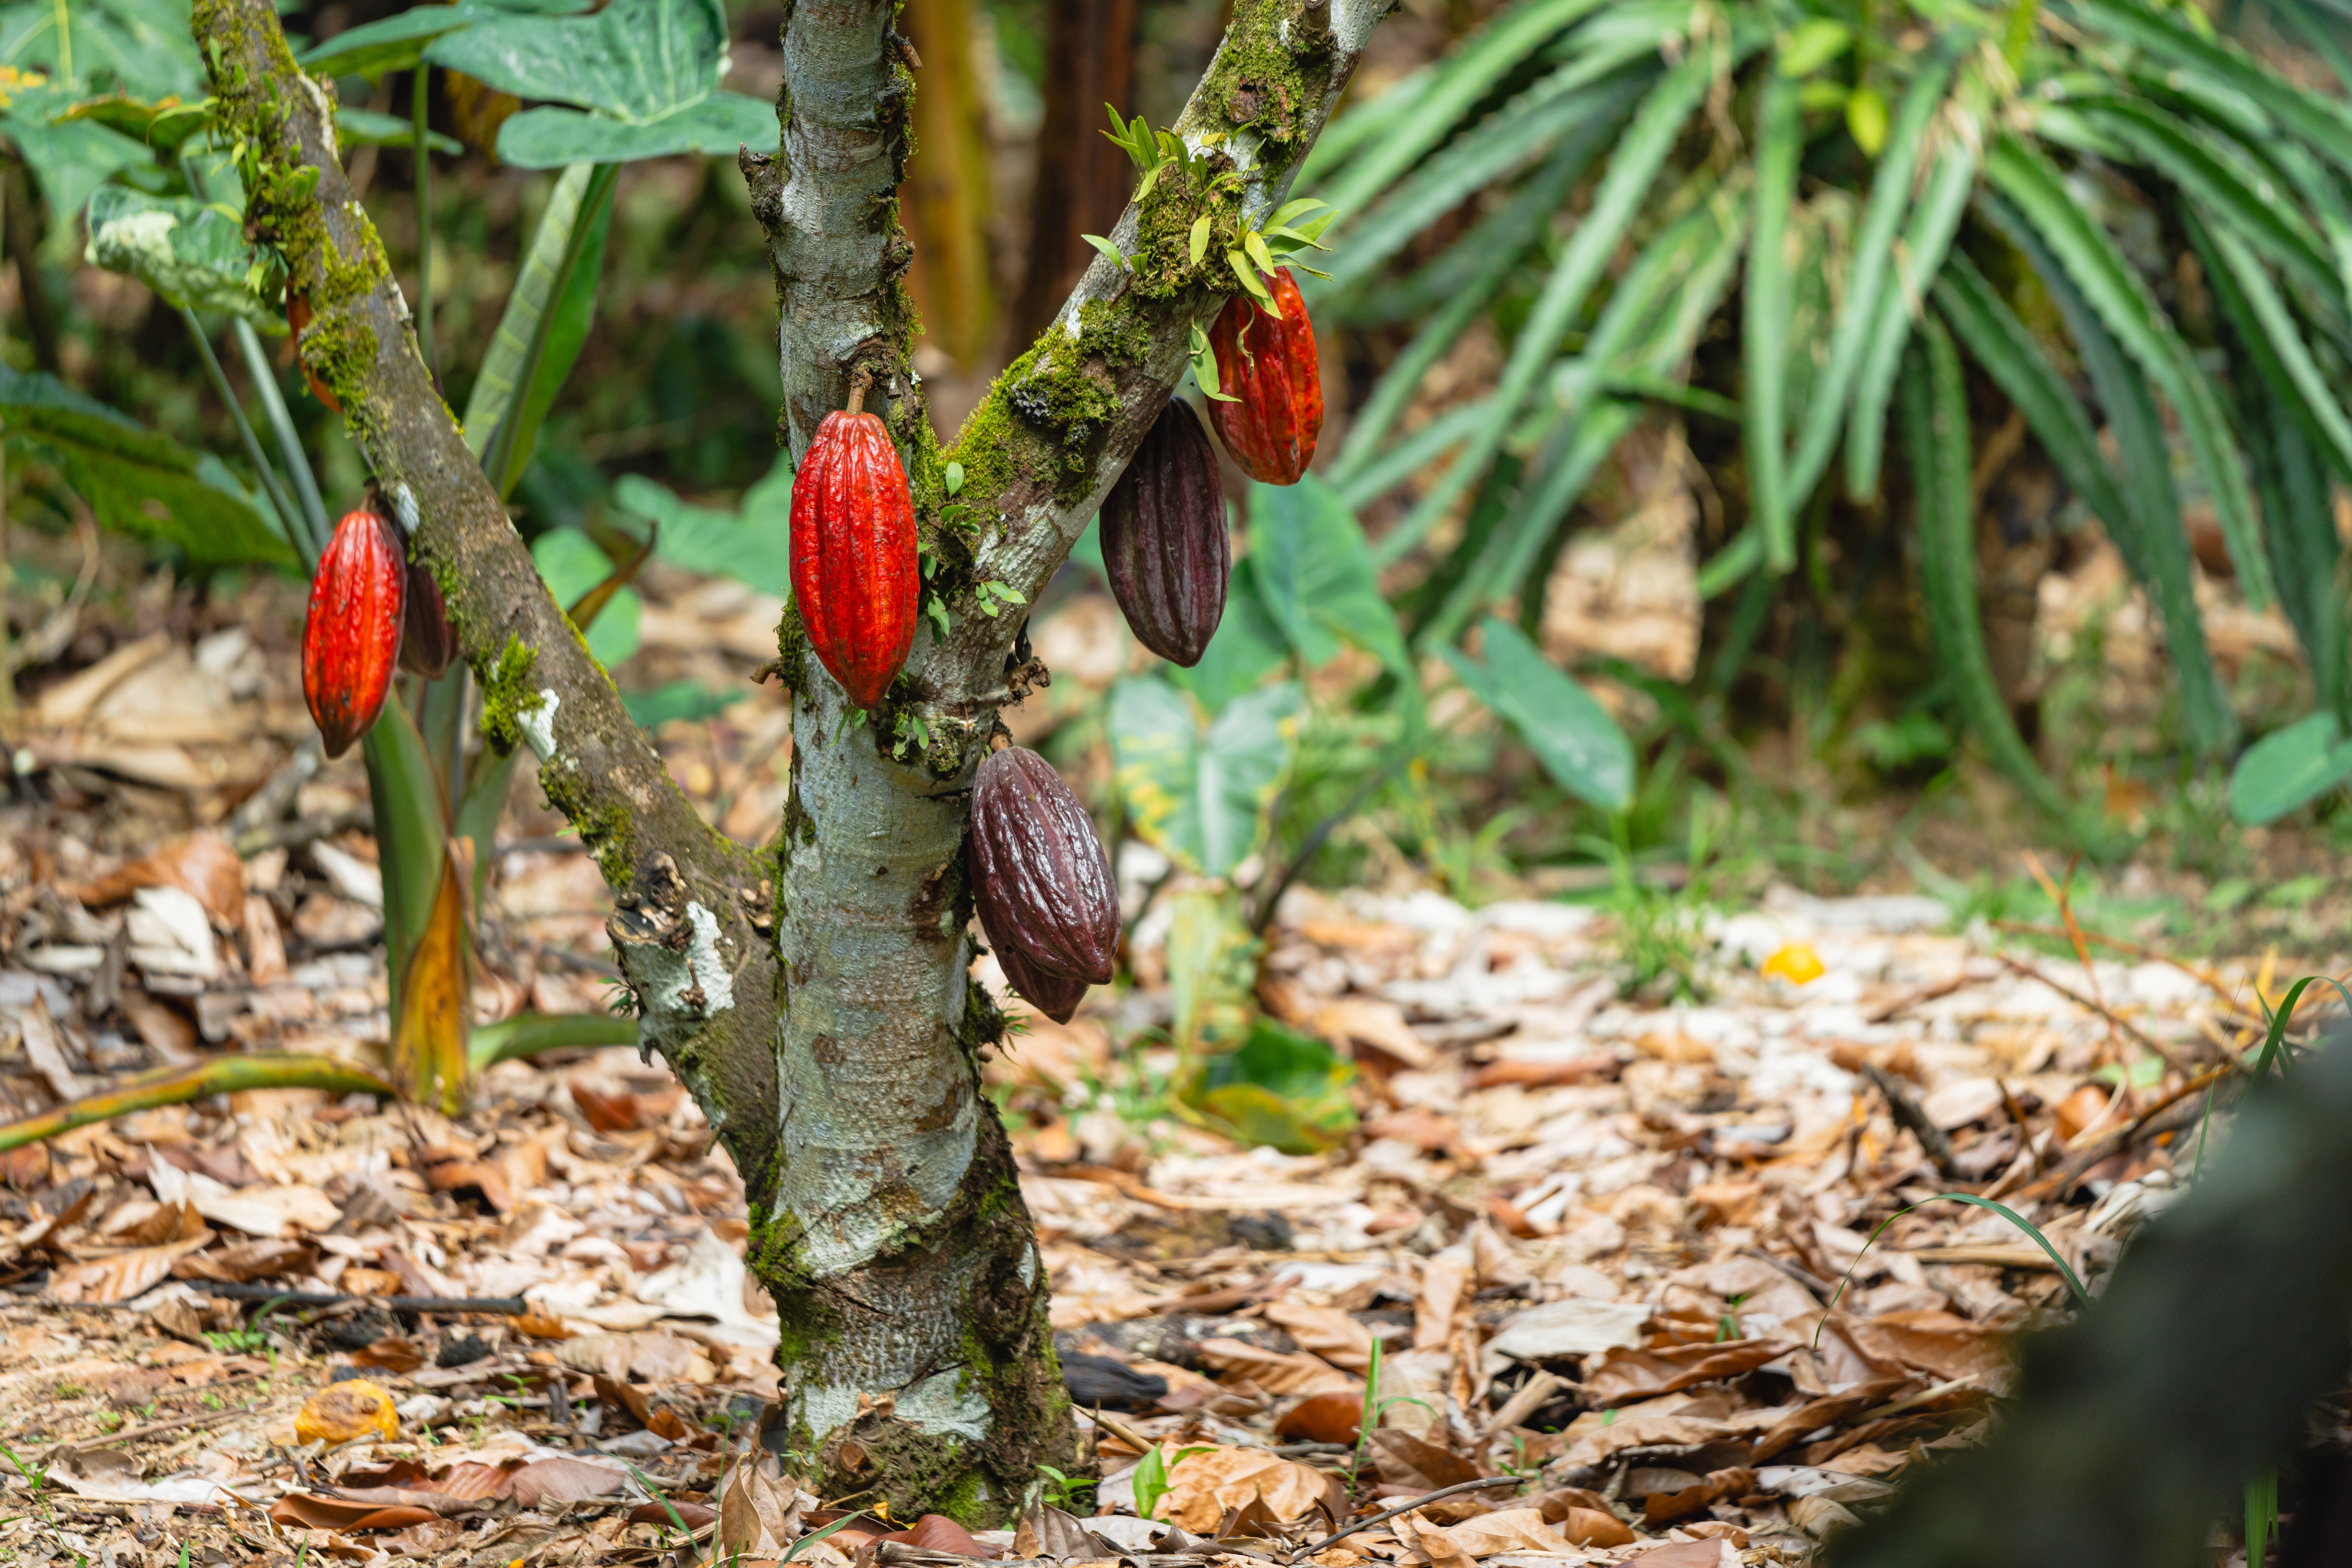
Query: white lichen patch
[704, 969]
[403, 506]
[940, 1403]
[537, 724]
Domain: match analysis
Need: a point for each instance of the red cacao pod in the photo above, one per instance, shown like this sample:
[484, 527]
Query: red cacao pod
[1039, 874]
[1268, 363]
[351, 641]
[854, 573]
[427, 643]
[1163, 539]
[1051, 994]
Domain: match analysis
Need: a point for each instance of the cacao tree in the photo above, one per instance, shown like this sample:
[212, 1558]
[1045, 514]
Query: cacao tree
[814, 996]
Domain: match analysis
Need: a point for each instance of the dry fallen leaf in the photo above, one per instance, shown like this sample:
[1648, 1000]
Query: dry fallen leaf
[202, 865]
[1636, 1374]
[1276, 1372]
[1202, 1488]
[334, 1513]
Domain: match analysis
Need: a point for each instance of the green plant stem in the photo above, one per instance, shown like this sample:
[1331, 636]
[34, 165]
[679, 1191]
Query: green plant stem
[419, 98]
[527, 1034]
[282, 425]
[501, 455]
[289, 518]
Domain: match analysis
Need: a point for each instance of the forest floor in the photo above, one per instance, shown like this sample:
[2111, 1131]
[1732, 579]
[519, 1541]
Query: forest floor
[1608, 1231]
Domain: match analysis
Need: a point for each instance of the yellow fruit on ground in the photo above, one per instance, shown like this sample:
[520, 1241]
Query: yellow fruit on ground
[345, 1413]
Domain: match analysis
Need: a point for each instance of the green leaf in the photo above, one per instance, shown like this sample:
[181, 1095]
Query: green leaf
[2263, 318]
[2289, 768]
[397, 42]
[70, 160]
[571, 565]
[1212, 970]
[2124, 303]
[1926, 238]
[1282, 1089]
[1248, 646]
[1639, 154]
[1779, 138]
[549, 138]
[1107, 249]
[191, 254]
[2299, 521]
[1201, 793]
[554, 263]
[1811, 45]
[1865, 120]
[637, 61]
[137, 482]
[405, 794]
[752, 544]
[142, 46]
[1455, 85]
[367, 128]
[1936, 433]
[1199, 238]
[1571, 733]
[687, 700]
[1859, 311]
[2142, 512]
[1308, 560]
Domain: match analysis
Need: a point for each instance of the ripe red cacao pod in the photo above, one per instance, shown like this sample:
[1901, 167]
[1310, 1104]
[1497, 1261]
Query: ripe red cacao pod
[427, 643]
[854, 571]
[1163, 539]
[1268, 363]
[1051, 994]
[351, 641]
[1039, 874]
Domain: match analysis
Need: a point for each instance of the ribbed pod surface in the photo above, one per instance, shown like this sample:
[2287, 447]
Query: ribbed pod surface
[350, 637]
[1163, 539]
[1269, 364]
[854, 569]
[1040, 877]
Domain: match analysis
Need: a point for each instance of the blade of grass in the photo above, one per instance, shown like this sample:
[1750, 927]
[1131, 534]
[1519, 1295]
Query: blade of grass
[1764, 326]
[2073, 1282]
[291, 520]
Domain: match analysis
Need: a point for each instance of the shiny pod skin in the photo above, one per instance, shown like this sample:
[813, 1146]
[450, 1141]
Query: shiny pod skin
[1051, 994]
[1268, 365]
[1163, 539]
[350, 638]
[1039, 875]
[854, 569]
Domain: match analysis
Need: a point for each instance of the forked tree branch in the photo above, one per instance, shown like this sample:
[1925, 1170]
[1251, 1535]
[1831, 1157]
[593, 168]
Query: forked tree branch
[693, 931]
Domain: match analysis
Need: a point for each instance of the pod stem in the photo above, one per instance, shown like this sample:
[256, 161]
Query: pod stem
[859, 380]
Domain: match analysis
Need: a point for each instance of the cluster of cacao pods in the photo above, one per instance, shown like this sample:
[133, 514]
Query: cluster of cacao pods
[1163, 525]
[1042, 882]
[371, 612]
[854, 574]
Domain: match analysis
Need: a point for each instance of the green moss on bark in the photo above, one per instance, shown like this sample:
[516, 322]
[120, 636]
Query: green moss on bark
[507, 692]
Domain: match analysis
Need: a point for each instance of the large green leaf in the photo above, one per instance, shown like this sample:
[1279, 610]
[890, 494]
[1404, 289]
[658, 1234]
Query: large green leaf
[1248, 646]
[137, 481]
[1200, 791]
[752, 544]
[570, 564]
[144, 46]
[1569, 733]
[545, 322]
[1926, 237]
[412, 818]
[397, 42]
[549, 138]
[1312, 567]
[367, 128]
[637, 61]
[2288, 768]
[1764, 326]
[190, 253]
[1282, 1089]
[70, 158]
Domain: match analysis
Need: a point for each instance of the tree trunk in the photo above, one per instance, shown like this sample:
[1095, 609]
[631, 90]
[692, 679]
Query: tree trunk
[815, 999]
[1082, 180]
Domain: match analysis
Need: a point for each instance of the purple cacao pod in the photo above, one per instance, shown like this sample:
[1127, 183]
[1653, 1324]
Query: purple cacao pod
[1039, 874]
[427, 642]
[1051, 994]
[1163, 539]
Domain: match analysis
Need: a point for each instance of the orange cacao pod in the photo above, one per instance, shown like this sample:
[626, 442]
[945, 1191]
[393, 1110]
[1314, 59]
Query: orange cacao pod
[854, 572]
[350, 639]
[1051, 994]
[1163, 539]
[1269, 364]
[1039, 874]
[427, 643]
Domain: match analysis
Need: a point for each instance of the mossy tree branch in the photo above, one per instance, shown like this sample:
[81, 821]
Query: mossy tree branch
[693, 928]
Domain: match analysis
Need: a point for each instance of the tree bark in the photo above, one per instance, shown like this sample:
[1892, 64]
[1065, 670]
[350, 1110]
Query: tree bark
[1082, 180]
[836, 1048]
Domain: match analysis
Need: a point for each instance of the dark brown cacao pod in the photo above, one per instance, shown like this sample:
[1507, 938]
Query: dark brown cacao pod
[427, 643]
[1039, 874]
[1163, 539]
[1268, 364]
[853, 570]
[350, 639]
[1051, 994]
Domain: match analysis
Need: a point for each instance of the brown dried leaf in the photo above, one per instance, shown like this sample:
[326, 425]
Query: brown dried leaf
[1322, 1418]
[564, 1480]
[330, 1513]
[1276, 1372]
[1204, 1488]
[201, 864]
[1404, 1460]
[1624, 1375]
[122, 1275]
[1327, 1331]
[247, 1261]
[1937, 1343]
